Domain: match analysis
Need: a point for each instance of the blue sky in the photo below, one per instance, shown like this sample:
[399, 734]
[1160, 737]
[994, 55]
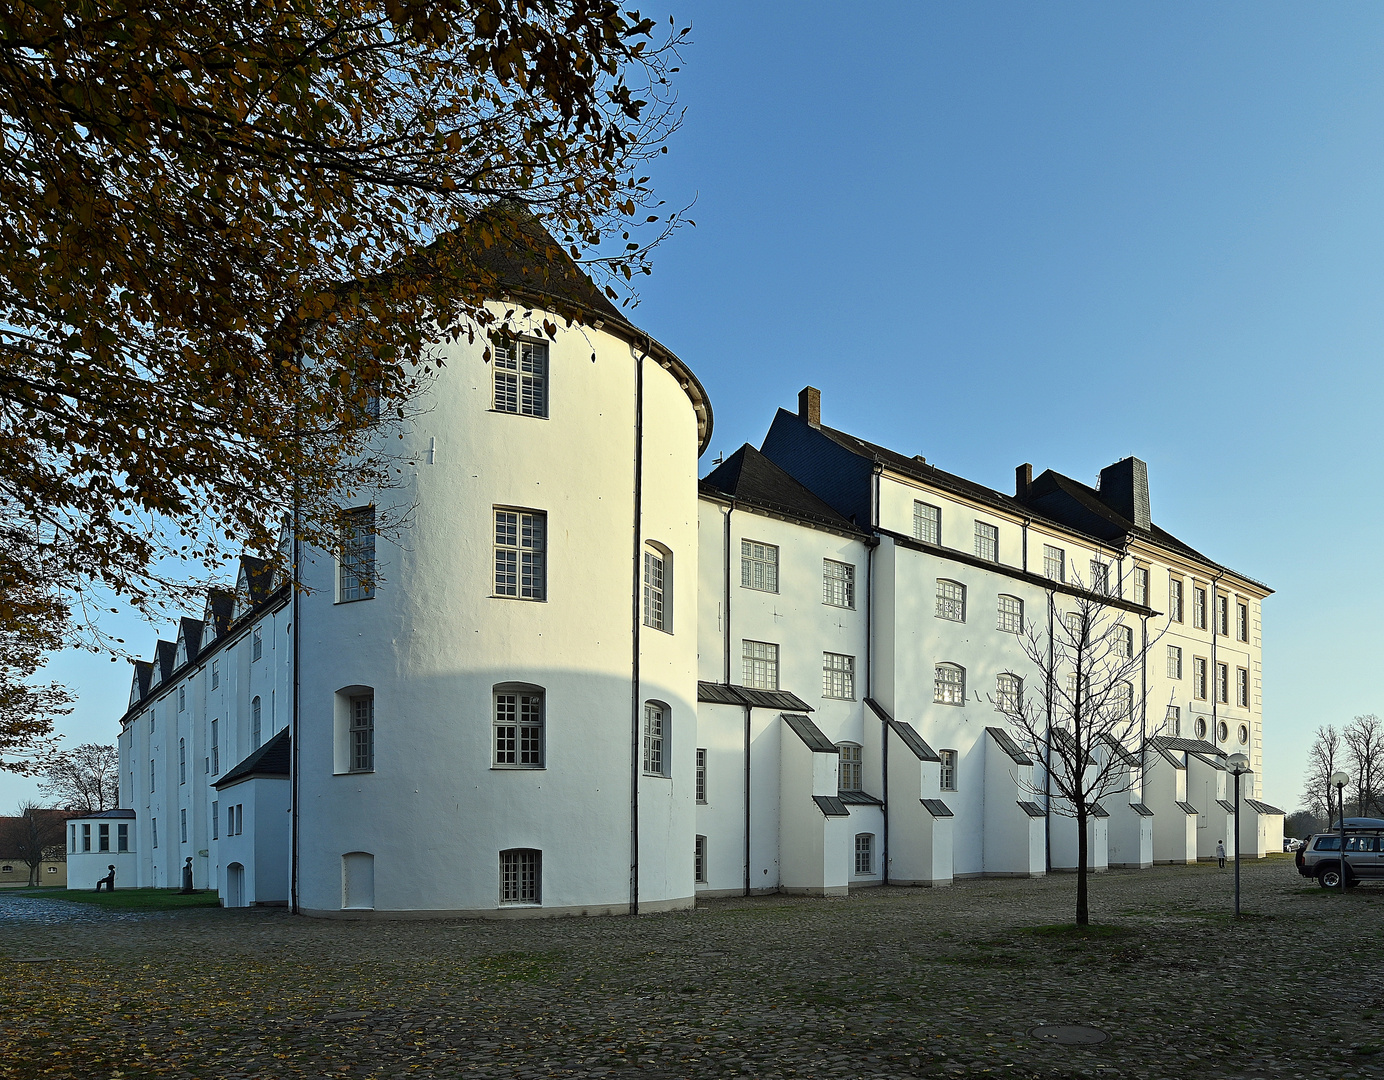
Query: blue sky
[1057, 233]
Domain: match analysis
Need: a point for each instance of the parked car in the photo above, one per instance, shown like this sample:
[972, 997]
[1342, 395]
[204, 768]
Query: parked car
[1320, 854]
[1291, 843]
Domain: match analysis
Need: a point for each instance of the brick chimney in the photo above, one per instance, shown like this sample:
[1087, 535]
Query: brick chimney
[1124, 487]
[810, 405]
[1023, 480]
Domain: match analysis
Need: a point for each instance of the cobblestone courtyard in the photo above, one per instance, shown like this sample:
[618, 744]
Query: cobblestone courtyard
[888, 983]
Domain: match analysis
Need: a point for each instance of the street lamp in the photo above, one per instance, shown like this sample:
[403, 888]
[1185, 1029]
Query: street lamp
[1339, 780]
[1238, 765]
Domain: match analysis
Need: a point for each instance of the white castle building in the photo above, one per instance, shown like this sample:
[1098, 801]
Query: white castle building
[585, 682]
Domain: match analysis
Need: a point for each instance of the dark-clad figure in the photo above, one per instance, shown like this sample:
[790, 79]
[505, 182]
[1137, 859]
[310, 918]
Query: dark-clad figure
[187, 875]
[108, 881]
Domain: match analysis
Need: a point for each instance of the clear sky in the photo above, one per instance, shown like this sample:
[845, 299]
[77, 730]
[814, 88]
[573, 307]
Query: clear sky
[1055, 233]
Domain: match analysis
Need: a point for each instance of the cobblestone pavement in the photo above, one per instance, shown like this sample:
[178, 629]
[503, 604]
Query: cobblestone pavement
[887, 983]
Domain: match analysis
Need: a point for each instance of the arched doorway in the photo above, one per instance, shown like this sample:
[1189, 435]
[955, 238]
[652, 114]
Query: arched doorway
[235, 885]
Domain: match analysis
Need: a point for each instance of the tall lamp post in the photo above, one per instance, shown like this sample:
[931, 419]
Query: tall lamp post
[1238, 764]
[1339, 780]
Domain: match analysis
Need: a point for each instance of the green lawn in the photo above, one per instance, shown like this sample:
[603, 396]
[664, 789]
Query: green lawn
[127, 899]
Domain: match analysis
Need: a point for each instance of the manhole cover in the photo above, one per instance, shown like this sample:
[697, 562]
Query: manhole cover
[1069, 1034]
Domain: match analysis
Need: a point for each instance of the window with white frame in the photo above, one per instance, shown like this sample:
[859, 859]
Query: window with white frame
[1241, 621]
[103, 834]
[86, 837]
[1175, 598]
[1054, 563]
[1075, 623]
[864, 853]
[1009, 693]
[1100, 577]
[1222, 615]
[1200, 727]
[949, 684]
[521, 553]
[759, 566]
[657, 586]
[256, 723]
[1242, 687]
[927, 522]
[518, 726]
[838, 676]
[700, 778]
[362, 733]
[182, 761]
[948, 769]
[1223, 683]
[182, 826]
[215, 747]
[216, 819]
[122, 837]
[1198, 607]
[699, 860]
[521, 376]
[987, 542]
[1199, 678]
[1244, 734]
[838, 583]
[1124, 641]
[1123, 698]
[1173, 720]
[655, 738]
[151, 774]
[951, 600]
[760, 661]
[182, 699]
[215, 674]
[1141, 585]
[520, 876]
[1222, 732]
[256, 644]
[356, 544]
[1011, 615]
[849, 778]
[1174, 662]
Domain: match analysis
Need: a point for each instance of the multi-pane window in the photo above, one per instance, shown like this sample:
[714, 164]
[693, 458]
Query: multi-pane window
[1199, 678]
[519, 876]
[1100, 577]
[655, 738]
[154, 830]
[655, 606]
[103, 836]
[519, 728]
[1223, 683]
[256, 644]
[761, 662]
[1124, 641]
[1174, 662]
[864, 853]
[927, 522]
[948, 770]
[1173, 720]
[362, 738]
[759, 566]
[521, 377]
[700, 778]
[699, 860]
[1011, 615]
[215, 674]
[1200, 727]
[1054, 563]
[1222, 615]
[1244, 734]
[838, 676]
[215, 747]
[1009, 693]
[151, 774]
[520, 554]
[838, 583]
[256, 723]
[987, 542]
[216, 820]
[86, 837]
[951, 600]
[356, 536]
[1222, 732]
[1076, 628]
[122, 838]
[182, 826]
[1241, 621]
[1175, 599]
[949, 684]
[1123, 697]
[1242, 688]
[182, 696]
[1141, 585]
[1198, 607]
[182, 761]
[850, 775]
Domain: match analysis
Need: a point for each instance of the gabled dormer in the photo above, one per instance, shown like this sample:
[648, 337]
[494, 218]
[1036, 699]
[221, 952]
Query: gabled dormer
[164, 652]
[283, 564]
[139, 683]
[252, 584]
[216, 615]
[189, 642]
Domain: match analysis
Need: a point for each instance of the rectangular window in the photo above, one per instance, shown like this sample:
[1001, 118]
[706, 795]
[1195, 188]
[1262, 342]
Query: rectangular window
[519, 729]
[1174, 662]
[256, 644]
[1222, 615]
[838, 676]
[122, 838]
[1175, 599]
[71, 838]
[1242, 687]
[1141, 585]
[699, 861]
[1174, 720]
[230, 820]
[927, 522]
[1199, 678]
[363, 733]
[1241, 621]
[154, 830]
[182, 699]
[1011, 615]
[1198, 607]
[521, 377]
[949, 685]
[151, 775]
[850, 778]
[1100, 577]
[215, 747]
[86, 837]
[215, 674]
[216, 820]
[356, 568]
[1054, 563]
[182, 826]
[655, 610]
[1223, 683]
[701, 776]
[951, 600]
[864, 853]
[519, 876]
[758, 566]
[1009, 693]
[655, 733]
[987, 542]
[103, 838]
[256, 723]
[838, 583]
[761, 663]
[1124, 641]
[520, 554]
[182, 761]
[948, 770]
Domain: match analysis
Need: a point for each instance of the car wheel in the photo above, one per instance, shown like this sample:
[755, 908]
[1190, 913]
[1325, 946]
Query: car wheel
[1329, 877]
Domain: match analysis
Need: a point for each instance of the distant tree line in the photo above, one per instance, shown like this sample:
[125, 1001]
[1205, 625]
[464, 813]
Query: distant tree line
[1357, 749]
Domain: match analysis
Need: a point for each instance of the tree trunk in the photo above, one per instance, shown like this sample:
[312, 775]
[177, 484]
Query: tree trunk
[1083, 915]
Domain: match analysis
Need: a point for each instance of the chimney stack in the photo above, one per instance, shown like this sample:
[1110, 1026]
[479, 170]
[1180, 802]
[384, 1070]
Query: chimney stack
[1124, 487]
[1023, 480]
[810, 405]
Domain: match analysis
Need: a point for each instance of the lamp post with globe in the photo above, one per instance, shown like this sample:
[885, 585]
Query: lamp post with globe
[1238, 764]
[1339, 780]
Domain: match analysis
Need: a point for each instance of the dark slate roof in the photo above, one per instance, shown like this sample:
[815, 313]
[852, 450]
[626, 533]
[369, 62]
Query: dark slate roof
[1032, 809]
[1263, 807]
[831, 806]
[1169, 756]
[1140, 809]
[191, 632]
[259, 575]
[1120, 753]
[810, 734]
[270, 760]
[1196, 746]
[1187, 808]
[143, 671]
[165, 653]
[1206, 759]
[733, 694]
[1228, 807]
[751, 478]
[937, 808]
[105, 814]
[220, 604]
[1097, 810]
[859, 798]
[906, 732]
[1009, 746]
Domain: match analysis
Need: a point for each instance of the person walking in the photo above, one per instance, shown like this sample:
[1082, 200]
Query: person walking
[1220, 854]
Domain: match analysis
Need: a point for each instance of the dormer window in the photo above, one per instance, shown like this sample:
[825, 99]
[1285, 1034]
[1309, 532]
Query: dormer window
[242, 595]
[180, 658]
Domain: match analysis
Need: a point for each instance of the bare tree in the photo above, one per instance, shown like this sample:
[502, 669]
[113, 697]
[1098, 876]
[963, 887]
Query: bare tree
[1323, 759]
[85, 779]
[34, 836]
[1086, 719]
[1364, 754]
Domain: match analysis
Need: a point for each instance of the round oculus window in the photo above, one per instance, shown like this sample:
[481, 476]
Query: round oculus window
[1201, 728]
[1223, 730]
[1244, 734]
